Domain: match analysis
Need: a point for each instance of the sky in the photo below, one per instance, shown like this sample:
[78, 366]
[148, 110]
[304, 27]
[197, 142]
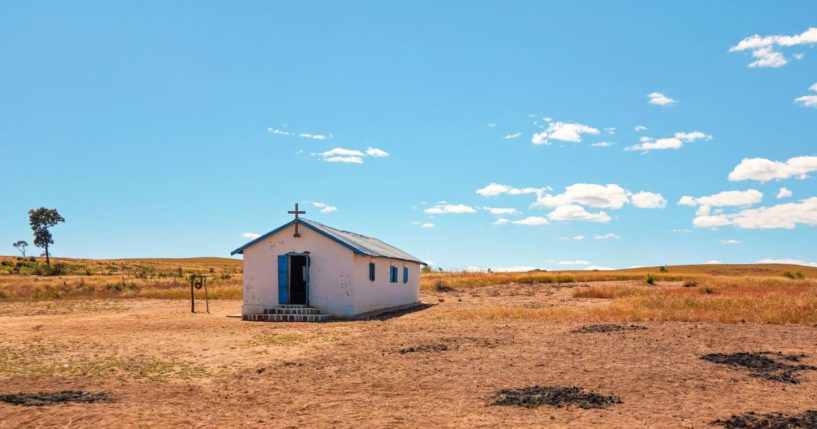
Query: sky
[474, 135]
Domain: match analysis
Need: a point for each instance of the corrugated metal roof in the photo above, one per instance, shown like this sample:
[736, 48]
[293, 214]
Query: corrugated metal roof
[360, 244]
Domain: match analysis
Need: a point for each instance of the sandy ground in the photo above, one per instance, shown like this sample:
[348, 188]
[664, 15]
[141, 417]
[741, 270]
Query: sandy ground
[168, 368]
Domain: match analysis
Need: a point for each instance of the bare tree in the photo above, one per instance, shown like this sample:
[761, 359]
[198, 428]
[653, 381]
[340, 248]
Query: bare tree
[21, 246]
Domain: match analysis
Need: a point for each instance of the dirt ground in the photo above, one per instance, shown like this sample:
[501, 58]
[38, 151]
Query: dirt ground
[164, 367]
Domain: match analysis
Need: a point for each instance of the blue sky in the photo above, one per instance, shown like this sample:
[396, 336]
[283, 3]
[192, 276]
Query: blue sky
[172, 129]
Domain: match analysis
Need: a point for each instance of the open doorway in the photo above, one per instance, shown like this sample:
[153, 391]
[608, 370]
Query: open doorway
[298, 278]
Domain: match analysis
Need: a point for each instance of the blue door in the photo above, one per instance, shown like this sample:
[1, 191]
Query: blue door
[283, 279]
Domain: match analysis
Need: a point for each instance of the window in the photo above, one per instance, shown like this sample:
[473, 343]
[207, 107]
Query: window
[393, 274]
[371, 271]
[405, 274]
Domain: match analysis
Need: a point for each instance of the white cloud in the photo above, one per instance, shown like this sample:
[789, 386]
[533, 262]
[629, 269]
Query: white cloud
[350, 156]
[512, 136]
[608, 236]
[713, 262]
[764, 170]
[659, 99]
[562, 131]
[787, 261]
[444, 208]
[575, 212]
[501, 211]
[602, 144]
[729, 198]
[495, 189]
[675, 142]
[813, 87]
[731, 241]
[610, 130]
[502, 221]
[579, 262]
[764, 51]
[780, 216]
[376, 153]
[784, 193]
[532, 221]
[427, 225]
[491, 125]
[682, 230]
[280, 132]
[639, 128]
[588, 194]
[598, 268]
[687, 200]
[575, 237]
[250, 235]
[807, 100]
[648, 200]
[324, 208]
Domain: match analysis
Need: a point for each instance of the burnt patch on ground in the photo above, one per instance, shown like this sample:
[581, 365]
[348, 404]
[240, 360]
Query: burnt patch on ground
[451, 343]
[605, 329]
[554, 396]
[772, 366]
[752, 420]
[42, 399]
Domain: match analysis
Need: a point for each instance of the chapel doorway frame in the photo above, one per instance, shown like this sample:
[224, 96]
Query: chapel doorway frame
[286, 275]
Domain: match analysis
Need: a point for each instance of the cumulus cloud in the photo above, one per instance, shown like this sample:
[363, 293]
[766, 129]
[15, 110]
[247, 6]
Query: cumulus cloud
[731, 241]
[783, 193]
[725, 199]
[764, 170]
[639, 128]
[350, 156]
[602, 144]
[780, 216]
[600, 196]
[501, 211]
[495, 189]
[532, 221]
[648, 200]
[765, 51]
[577, 213]
[608, 236]
[563, 131]
[502, 221]
[324, 208]
[250, 235]
[444, 208]
[575, 237]
[677, 141]
[659, 99]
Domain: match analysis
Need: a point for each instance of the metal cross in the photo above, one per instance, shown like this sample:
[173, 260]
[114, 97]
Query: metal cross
[296, 212]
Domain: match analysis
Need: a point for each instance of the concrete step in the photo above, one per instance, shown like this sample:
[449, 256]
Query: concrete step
[290, 306]
[261, 317]
[289, 310]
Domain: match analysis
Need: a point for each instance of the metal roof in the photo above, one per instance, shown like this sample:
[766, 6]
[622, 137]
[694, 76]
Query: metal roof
[360, 244]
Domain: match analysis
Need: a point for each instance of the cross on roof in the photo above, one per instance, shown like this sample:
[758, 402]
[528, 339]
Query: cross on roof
[296, 212]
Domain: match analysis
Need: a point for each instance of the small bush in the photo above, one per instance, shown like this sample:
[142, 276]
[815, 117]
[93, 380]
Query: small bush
[797, 275]
[690, 283]
[707, 291]
[663, 269]
[650, 279]
[441, 286]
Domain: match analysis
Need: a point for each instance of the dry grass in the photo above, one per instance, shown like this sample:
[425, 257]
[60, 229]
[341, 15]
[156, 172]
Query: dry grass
[727, 299]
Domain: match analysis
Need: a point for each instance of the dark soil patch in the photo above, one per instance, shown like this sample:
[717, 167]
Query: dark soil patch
[752, 420]
[425, 348]
[42, 399]
[604, 329]
[454, 343]
[554, 396]
[762, 364]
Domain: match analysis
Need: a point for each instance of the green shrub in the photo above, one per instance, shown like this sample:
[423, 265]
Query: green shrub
[650, 279]
[707, 290]
[663, 269]
[797, 275]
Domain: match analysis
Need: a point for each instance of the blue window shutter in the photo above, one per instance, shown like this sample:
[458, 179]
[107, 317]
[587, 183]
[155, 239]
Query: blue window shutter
[393, 274]
[283, 279]
[371, 271]
[405, 274]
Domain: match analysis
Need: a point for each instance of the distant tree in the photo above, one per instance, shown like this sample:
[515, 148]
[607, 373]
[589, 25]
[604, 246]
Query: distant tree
[40, 220]
[21, 246]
